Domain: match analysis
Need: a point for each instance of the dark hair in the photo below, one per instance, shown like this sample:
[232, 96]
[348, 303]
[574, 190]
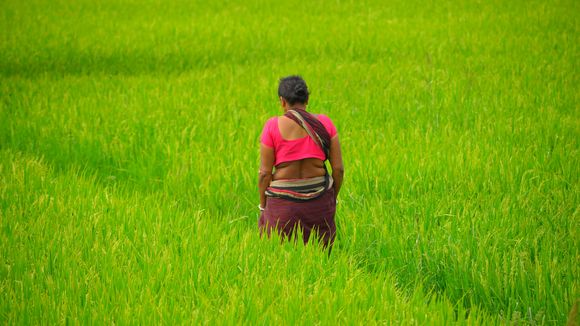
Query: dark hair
[293, 89]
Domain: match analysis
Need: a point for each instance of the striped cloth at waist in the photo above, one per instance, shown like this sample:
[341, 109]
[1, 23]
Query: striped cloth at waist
[299, 189]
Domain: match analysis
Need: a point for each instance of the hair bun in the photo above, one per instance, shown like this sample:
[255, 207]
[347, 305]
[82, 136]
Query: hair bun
[299, 90]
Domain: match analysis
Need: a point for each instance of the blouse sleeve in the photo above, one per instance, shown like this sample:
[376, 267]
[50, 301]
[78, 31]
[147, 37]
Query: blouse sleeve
[266, 137]
[328, 125]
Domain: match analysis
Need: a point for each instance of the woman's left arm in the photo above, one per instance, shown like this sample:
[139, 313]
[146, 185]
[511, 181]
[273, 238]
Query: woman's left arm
[265, 173]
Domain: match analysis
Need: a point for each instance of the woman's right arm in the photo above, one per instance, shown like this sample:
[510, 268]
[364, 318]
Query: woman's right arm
[265, 173]
[335, 158]
[266, 161]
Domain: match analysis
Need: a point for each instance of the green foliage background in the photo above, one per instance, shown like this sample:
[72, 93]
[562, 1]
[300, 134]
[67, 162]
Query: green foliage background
[129, 155]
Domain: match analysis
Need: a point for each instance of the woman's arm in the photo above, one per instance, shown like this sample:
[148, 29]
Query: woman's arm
[265, 173]
[335, 158]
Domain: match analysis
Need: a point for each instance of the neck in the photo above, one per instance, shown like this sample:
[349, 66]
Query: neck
[297, 107]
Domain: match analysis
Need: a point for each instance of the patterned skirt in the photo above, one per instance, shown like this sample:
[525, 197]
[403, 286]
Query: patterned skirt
[301, 203]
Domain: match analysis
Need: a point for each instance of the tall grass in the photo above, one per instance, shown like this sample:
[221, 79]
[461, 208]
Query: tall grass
[129, 150]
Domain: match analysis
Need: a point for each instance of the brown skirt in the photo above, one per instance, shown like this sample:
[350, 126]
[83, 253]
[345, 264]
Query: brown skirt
[316, 215]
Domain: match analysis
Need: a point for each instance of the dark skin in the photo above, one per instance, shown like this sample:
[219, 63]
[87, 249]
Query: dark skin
[305, 168]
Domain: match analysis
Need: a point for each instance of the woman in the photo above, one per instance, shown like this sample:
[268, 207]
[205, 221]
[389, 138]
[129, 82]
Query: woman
[296, 190]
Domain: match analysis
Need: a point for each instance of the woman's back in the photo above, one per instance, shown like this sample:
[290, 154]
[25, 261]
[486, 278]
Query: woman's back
[303, 168]
[289, 141]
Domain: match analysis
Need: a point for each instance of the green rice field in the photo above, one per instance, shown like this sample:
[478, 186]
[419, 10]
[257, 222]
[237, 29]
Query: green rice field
[129, 152]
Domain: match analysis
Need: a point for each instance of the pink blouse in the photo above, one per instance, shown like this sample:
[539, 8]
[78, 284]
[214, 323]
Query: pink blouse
[296, 149]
